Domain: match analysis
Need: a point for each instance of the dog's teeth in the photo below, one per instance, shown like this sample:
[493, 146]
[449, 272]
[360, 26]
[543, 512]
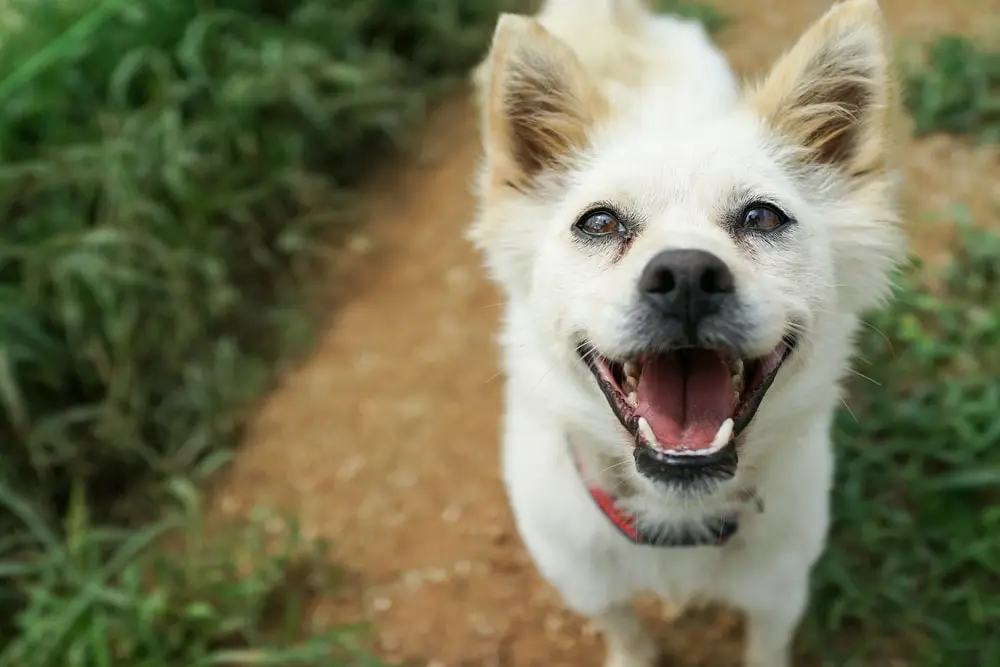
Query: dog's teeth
[737, 383]
[632, 399]
[737, 367]
[723, 435]
[632, 370]
[647, 431]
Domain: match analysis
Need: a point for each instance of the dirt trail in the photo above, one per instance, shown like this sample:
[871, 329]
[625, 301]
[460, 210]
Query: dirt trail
[385, 439]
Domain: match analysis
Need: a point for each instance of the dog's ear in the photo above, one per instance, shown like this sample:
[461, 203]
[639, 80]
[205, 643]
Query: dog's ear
[832, 93]
[539, 102]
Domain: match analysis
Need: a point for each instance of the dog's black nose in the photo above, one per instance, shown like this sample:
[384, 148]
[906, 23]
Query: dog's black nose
[687, 285]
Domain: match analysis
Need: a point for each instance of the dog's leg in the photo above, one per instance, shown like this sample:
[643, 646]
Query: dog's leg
[628, 642]
[771, 627]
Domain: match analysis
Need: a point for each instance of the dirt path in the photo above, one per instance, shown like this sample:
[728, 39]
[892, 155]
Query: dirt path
[385, 439]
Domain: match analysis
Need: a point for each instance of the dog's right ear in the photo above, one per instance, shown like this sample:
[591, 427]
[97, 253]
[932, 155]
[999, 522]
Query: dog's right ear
[539, 103]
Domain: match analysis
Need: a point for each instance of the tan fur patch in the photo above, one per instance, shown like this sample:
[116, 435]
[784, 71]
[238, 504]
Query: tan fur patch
[540, 103]
[609, 51]
[833, 93]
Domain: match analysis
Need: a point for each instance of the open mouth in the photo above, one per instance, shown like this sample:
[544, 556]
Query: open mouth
[690, 401]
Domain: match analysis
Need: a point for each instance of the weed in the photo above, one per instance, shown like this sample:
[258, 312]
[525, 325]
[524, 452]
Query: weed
[955, 88]
[713, 19]
[119, 597]
[914, 550]
[168, 171]
[165, 168]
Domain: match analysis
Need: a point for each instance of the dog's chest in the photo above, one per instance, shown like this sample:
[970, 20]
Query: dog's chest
[679, 574]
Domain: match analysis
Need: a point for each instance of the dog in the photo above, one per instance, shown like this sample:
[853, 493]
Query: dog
[685, 261]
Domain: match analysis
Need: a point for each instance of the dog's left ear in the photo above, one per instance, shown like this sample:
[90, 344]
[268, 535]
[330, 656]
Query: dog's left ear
[539, 103]
[831, 95]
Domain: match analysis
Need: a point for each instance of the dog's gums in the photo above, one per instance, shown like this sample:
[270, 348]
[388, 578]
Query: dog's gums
[690, 401]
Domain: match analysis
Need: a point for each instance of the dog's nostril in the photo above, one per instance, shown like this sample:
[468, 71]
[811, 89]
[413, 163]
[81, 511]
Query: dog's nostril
[694, 271]
[661, 282]
[717, 280]
[687, 285]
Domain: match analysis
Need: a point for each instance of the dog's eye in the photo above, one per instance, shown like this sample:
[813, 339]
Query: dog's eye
[763, 218]
[600, 223]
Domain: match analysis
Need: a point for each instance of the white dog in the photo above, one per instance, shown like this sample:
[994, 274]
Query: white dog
[684, 264]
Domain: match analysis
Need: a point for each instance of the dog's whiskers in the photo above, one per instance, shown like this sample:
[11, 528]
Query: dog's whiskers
[864, 377]
[612, 468]
[878, 331]
[849, 411]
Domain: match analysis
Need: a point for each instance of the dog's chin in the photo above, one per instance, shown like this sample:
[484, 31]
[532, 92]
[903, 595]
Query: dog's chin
[686, 408]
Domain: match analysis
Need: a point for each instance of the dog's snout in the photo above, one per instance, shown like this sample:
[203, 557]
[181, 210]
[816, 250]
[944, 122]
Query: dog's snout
[686, 284]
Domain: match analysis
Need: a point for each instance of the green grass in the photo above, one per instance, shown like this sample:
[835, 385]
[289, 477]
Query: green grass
[166, 168]
[915, 545]
[712, 18]
[914, 550]
[707, 14]
[170, 173]
[955, 88]
[100, 596]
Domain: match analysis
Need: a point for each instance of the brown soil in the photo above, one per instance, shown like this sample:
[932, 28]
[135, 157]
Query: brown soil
[385, 439]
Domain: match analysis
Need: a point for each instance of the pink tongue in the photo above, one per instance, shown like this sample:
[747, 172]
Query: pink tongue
[685, 398]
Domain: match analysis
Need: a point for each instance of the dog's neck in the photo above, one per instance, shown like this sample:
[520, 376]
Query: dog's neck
[612, 492]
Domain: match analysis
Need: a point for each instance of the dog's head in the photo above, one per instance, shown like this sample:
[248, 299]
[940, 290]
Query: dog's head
[678, 263]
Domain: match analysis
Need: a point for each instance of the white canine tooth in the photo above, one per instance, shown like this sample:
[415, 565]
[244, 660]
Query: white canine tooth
[722, 436]
[632, 399]
[630, 385]
[646, 431]
[738, 367]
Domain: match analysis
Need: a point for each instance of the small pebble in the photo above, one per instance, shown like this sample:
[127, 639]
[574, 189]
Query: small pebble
[360, 244]
[437, 575]
[480, 625]
[403, 478]
[452, 514]
[274, 526]
[229, 505]
[350, 468]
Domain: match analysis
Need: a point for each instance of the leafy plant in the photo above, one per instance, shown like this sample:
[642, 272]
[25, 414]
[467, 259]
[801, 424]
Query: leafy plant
[955, 88]
[121, 597]
[712, 18]
[169, 170]
[914, 553]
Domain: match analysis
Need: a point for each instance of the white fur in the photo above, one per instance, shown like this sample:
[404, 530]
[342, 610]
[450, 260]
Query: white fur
[680, 141]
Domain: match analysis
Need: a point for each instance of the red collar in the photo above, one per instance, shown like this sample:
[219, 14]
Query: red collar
[711, 531]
